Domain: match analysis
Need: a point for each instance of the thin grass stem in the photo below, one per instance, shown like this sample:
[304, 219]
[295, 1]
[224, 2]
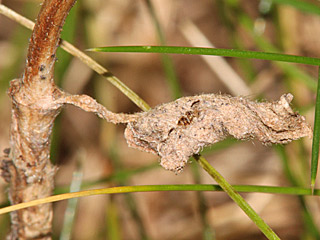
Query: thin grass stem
[68, 47]
[316, 137]
[303, 6]
[212, 51]
[166, 60]
[153, 188]
[264, 228]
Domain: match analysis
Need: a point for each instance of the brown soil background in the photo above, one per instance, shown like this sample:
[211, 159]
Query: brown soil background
[99, 148]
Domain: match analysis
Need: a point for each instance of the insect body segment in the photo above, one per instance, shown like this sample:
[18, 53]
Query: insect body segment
[187, 118]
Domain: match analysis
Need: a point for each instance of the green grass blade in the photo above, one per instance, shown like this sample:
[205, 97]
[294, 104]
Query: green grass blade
[112, 221]
[130, 201]
[291, 70]
[71, 207]
[18, 41]
[295, 73]
[212, 51]
[106, 74]
[68, 47]
[207, 232]
[64, 59]
[264, 228]
[297, 191]
[316, 137]
[303, 6]
[68, 34]
[153, 188]
[311, 227]
[308, 220]
[166, 60]
[285, 165]
[171, 76]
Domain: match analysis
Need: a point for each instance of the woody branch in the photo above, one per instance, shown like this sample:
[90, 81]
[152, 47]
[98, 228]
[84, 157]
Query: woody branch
[36, 101]
[34, 109]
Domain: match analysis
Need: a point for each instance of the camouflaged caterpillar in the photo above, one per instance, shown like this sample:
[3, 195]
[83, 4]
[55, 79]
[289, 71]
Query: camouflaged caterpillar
[175, 131]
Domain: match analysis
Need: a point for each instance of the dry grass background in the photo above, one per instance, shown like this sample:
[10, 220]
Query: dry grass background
[99, 148]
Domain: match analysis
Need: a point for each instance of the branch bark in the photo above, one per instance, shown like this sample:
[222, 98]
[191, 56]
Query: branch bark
[34, 108]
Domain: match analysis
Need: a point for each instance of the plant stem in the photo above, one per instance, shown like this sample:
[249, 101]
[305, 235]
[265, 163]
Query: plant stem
[267, 231]
[30, 172]
[316, 137]
[153, 188]
[213, 52]
[166, 60]
[69, 48]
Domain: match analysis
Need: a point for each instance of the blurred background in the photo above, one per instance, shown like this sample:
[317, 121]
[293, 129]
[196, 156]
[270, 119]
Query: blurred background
[94, 154]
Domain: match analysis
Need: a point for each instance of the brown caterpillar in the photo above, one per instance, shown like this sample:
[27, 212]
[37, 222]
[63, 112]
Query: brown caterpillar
[177, 130]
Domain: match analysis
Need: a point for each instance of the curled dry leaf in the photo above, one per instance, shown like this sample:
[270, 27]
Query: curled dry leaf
[177, 130]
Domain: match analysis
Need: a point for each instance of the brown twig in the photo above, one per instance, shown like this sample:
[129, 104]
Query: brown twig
[36, 103]
[34, 108]
[95, 66]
